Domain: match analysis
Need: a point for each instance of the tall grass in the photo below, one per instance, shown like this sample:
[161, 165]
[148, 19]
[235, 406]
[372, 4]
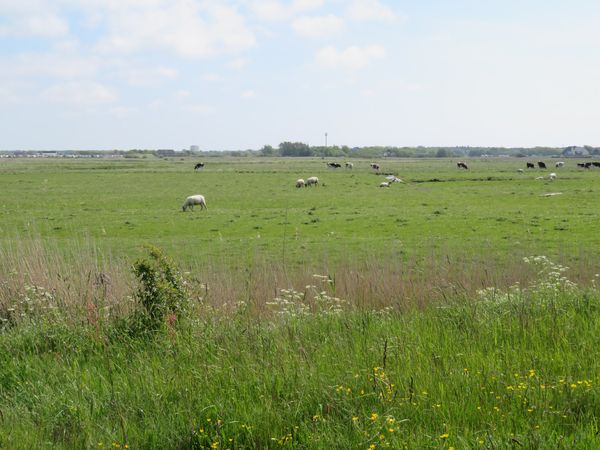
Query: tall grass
[79, 279]
[512, 366]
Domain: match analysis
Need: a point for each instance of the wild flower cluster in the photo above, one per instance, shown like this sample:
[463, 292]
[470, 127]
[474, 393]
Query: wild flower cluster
[314, 300]
[550, 282]
[551, 278]
[31, 301]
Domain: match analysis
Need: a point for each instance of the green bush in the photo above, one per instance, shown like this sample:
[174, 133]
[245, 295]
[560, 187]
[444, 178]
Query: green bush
[161, 295]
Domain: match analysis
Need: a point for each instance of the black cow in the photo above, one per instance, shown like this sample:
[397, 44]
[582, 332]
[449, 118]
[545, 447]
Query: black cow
[541, 164]
[588, 165]
[333, 165]
[199, 166]
[596, 164]
[530, 165]
[461, 165]
[581, 165]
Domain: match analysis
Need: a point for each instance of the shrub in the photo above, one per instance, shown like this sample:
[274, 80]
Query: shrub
[161, 295]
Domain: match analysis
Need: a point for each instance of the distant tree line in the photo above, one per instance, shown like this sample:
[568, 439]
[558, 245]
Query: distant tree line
[300, 149]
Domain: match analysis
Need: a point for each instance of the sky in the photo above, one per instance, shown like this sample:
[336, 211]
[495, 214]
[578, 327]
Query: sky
[241, 74]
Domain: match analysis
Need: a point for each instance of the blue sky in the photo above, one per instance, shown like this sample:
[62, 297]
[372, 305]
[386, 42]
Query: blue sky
[238, 74]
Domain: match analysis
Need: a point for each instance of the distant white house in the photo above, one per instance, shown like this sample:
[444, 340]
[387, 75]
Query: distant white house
[194, 148]
[575, 151]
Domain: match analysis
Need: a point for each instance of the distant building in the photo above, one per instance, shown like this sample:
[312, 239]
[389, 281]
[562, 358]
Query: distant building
[165, 152]
[575, 151]
[194, 148]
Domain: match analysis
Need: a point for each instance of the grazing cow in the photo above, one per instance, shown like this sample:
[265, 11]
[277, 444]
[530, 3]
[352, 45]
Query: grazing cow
[333, 165]
[300, 183]
[581, 165]
[588, 165]
[194, 200]
[312, 181]
[461, 165]
[349, 165]
[530, 165]
[374, 166]
[199, 166]
[541, 164]
[596, 164]
[559, 164]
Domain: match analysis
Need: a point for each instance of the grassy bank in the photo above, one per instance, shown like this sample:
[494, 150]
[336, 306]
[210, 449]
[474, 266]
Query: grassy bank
[507, 368]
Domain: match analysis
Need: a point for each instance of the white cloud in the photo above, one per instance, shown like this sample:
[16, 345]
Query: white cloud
[307, 5]
[370, 10]
[248, 94]
[322, 26]
[201, 109]
[238, 63]
[123, 112]
[276, 10]
[270, 10]
[80, 94]
[40, 25]
[353, 57]
[184, 27]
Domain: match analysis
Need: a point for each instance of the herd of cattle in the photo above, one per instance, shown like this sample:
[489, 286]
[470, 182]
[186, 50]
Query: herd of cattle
[314, 181]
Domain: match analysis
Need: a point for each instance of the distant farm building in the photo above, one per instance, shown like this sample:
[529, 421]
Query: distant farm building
[575, 151]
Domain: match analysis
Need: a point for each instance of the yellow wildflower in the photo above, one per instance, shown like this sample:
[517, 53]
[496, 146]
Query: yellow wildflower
[444, 436]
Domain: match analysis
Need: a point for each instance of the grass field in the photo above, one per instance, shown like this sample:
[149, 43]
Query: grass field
[341, 316]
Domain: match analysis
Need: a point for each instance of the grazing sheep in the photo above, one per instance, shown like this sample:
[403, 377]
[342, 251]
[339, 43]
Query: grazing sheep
[194, 200]
[559, 164]
[393, 179]
[520, 170]
[461, 165]
[300, 183]
[530, 165]
[312, 181]
[539, 178]
[552, 176]
[349, 165]
[384, 184]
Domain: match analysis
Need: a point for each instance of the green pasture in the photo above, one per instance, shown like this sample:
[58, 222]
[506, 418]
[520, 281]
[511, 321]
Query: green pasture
[254, 208]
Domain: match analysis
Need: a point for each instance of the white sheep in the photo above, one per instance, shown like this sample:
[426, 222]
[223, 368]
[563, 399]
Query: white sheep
[520, 170]
[559, 164]
[312, 180]
[194, 200]
[552, 176]
[384, 184]
[300, 183]
[393, 179]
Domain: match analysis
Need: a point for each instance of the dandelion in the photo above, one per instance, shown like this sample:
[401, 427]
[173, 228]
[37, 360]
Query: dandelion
[374, 416]
[444, 436]
[372, 446]
[214, 444]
